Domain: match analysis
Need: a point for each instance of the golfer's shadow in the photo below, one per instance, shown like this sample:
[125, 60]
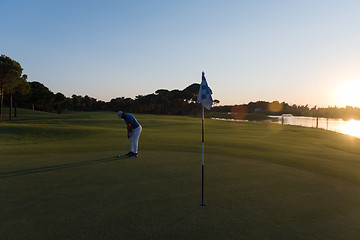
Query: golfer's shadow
[56, 167]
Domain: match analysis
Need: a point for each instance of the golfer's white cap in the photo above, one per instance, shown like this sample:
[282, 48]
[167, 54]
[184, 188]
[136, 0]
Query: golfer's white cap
[119, 113]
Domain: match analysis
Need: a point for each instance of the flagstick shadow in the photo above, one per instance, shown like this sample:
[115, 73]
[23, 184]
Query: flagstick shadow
[56, 167]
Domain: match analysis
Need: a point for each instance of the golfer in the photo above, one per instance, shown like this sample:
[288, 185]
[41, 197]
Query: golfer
[133, 132]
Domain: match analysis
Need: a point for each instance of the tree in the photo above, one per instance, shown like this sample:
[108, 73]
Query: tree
[19, 87]
[59, 100]
[41, 97]
[9, 90]
[193, 89]
[10, 71]
[77, 102]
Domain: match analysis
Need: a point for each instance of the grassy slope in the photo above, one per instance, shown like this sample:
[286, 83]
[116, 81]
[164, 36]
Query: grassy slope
[263, 181]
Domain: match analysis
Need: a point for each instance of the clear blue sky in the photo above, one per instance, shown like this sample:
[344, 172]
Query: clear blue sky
[297, 51]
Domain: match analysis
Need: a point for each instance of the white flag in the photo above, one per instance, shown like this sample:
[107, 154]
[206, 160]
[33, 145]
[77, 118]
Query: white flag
[204, 95]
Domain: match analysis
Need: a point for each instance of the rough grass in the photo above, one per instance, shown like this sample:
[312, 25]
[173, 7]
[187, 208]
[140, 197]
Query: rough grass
[59, 180]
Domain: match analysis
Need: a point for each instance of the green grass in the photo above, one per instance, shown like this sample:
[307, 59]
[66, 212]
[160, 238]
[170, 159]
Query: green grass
[59, 180]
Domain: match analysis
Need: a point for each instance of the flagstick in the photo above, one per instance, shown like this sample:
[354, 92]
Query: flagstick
[203, 162]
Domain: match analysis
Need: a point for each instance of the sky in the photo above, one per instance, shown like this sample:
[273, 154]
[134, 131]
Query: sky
[297, 51]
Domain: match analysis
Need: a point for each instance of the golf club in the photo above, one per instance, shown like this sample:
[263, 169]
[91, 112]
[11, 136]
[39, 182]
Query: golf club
[123, 147]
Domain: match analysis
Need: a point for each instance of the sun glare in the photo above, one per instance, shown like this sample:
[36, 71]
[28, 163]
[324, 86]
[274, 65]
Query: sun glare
[352, 128]
[349, 94]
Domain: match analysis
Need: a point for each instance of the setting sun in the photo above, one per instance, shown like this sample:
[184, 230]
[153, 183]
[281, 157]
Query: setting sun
[349, 94]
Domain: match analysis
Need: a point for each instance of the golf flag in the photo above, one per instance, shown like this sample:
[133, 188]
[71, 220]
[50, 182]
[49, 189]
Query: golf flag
[204, 95]
[206, 101]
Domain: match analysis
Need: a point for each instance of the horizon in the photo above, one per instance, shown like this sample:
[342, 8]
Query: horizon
[220, 104]
[217, 105]
[303, 53]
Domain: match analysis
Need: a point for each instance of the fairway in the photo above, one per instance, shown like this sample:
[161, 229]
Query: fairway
[59, 179]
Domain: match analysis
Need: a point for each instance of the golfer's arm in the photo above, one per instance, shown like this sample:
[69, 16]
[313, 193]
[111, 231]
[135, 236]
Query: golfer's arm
[130, 127]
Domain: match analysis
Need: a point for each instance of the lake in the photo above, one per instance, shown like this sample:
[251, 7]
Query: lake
[350, 127]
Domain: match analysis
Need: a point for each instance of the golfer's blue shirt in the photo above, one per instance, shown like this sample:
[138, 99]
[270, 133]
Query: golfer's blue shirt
[128, 118]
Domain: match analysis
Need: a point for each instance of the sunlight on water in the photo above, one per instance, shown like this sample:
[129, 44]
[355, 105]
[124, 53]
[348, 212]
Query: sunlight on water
[351, 127]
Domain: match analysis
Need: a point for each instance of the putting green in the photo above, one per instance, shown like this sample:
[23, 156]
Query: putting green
[261, 181]
[157, 196]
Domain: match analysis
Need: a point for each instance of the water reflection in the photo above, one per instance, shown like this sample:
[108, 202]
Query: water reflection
[351, 127]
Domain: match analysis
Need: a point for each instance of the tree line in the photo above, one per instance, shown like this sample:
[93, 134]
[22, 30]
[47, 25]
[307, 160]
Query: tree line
[163, 101]
[175, 102]
[16, 91]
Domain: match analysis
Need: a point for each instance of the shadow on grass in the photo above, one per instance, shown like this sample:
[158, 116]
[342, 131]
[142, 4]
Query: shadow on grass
[58, 167]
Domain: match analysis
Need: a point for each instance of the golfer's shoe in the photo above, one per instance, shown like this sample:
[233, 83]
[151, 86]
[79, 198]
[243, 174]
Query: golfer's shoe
[133, 155]
[129, 154]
